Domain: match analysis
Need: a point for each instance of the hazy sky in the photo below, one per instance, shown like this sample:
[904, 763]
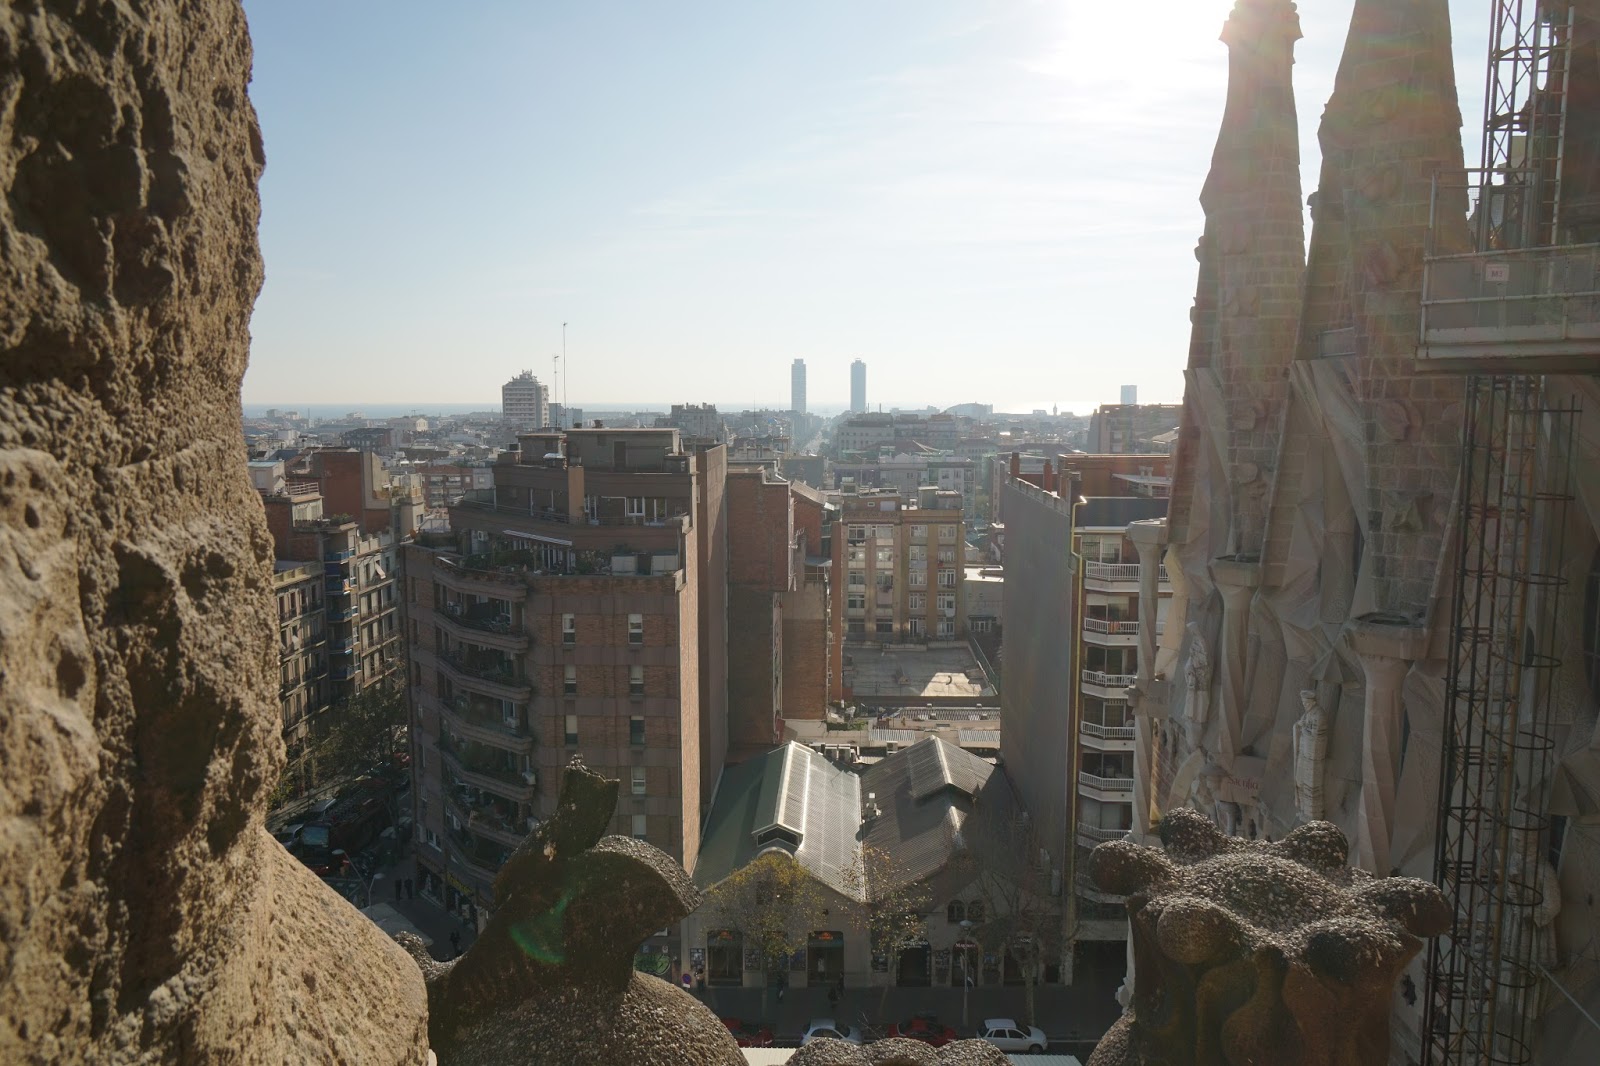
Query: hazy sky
[990, 202]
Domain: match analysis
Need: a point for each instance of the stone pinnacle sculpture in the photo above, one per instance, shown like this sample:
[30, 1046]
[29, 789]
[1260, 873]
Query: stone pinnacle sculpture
[551, 978]
[1251, 952]
[148, 916]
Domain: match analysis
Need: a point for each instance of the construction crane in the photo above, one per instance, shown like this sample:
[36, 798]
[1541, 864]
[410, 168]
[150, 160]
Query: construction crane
[1488, 313]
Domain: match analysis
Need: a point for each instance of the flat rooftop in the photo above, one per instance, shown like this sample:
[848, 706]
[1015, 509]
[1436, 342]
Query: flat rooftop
[913, 672]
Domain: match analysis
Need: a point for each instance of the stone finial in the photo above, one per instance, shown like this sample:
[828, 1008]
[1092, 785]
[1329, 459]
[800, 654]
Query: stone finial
[551, 980]
[1256, 952]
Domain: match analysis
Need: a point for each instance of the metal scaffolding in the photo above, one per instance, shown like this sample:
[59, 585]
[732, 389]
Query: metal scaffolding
[1484, 983]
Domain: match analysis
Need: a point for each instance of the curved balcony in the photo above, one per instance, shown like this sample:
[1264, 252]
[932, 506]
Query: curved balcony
[508, 783]
[1108, 686]
[1092, 835]
[506, 636]
[495, 584]
[501, 684]
[1110, 631]
[1115, 789]
[484, 729]
[1108, 737]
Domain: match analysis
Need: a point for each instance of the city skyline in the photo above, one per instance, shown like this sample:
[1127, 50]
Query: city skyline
[725, 189]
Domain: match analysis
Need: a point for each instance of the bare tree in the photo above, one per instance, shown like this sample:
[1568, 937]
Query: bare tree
[1002, 853]
[896, 905]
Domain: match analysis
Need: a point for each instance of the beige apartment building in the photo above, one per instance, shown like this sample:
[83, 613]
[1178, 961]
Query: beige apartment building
[903, 559]
[562, 616]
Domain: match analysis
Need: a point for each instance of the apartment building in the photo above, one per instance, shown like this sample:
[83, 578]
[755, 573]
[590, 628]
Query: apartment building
[797, 387]
[902, 559]
[858, 387]
[525, 403]
[563, 616]
[698, 421]
[303, 686]
[1132, 428]
[1071, 651]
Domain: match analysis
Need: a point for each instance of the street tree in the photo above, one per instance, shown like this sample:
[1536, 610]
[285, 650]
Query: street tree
[774, 903]
[896, 905]
[1003, 857]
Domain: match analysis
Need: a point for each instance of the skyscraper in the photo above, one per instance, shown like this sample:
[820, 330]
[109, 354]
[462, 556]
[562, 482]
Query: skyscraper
[858, 386]
[1130, 395]
[797, 387]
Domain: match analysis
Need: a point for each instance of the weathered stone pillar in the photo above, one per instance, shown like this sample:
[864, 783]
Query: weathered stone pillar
[1387, 647]
[1236, 578]
[1150, 539]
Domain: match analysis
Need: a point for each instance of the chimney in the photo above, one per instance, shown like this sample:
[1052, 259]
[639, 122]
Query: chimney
[1048, 482]
[1016, 464]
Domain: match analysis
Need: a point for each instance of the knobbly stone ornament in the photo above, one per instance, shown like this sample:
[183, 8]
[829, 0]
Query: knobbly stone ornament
[550, 981]
[1254, 953]
[898, 1052]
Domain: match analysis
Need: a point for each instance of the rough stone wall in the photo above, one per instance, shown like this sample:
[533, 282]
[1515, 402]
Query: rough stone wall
[147, 915]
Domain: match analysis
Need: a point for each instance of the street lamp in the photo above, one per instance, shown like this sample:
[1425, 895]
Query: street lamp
[966, 968]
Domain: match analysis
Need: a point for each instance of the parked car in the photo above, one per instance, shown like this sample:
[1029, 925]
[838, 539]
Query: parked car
[1007, 1035]
[821, 1028]
[749, 1034]
[926, 1028]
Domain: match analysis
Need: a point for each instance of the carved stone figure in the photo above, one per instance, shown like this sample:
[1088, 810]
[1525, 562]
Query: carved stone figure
[1255, 952]
[1310, 741]
[573, 908]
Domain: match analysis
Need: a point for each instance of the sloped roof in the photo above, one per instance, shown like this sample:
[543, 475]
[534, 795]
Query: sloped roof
[925, 794]
[791, 798]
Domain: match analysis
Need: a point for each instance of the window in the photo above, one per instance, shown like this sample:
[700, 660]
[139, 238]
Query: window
[636, 730]
[636, 629]
[947, 579]
[917, 554]
[884, 533]
[569, 629]
[572, 730]
[636, 681]
[858, 580]
[638, 780]
[947, 601]
[975, 911]
[639, 830]
[569, 680]
[956, 911]
[855, 601]
[918, 578]
[947, 533]
[857, 628]
[917, 627]
[919, 532]
[947, 629]
[857, 534]
[947, 555]
[885, 629]
[885, 557]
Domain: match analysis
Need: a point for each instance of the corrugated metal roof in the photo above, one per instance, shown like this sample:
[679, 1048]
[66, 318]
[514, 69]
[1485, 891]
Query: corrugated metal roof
[979, 737]
[797, 790]
[907, 737]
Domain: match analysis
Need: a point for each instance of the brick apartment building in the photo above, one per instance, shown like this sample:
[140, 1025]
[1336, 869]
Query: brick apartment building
[902, 559]
[782, 643]
[562, 616]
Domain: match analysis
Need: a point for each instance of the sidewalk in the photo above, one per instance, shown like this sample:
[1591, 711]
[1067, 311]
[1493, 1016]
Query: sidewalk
[425, 914]
[1072, 1015]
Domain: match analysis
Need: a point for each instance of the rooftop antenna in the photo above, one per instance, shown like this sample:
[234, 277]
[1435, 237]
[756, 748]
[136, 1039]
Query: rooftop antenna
[564, 415]
[555, 384]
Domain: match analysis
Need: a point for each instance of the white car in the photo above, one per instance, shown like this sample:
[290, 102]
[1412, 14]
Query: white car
[1007, 1035]
[826, 1028]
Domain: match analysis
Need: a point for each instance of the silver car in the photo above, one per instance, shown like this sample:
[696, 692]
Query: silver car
[825, 1027]
[1007, 1035]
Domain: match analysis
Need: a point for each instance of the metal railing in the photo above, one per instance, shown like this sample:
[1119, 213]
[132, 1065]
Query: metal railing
[1105, 784]
[1098, 836]
[1109, 732]
[1111, 626]
[500, 625]
[507, 676]
[543, 514]
[1111, 571]
[1095, 677]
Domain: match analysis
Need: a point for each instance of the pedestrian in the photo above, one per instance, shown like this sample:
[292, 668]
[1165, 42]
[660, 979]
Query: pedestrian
[833, 998]
[782, 985]
[398, 884]
[411, 892]
[455, 943]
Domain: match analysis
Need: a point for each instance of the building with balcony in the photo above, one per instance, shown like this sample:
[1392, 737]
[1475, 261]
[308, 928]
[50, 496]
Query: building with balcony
[1071, 645]
[903, 560]
[560, 617]
[525, 403]
[302, 650]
